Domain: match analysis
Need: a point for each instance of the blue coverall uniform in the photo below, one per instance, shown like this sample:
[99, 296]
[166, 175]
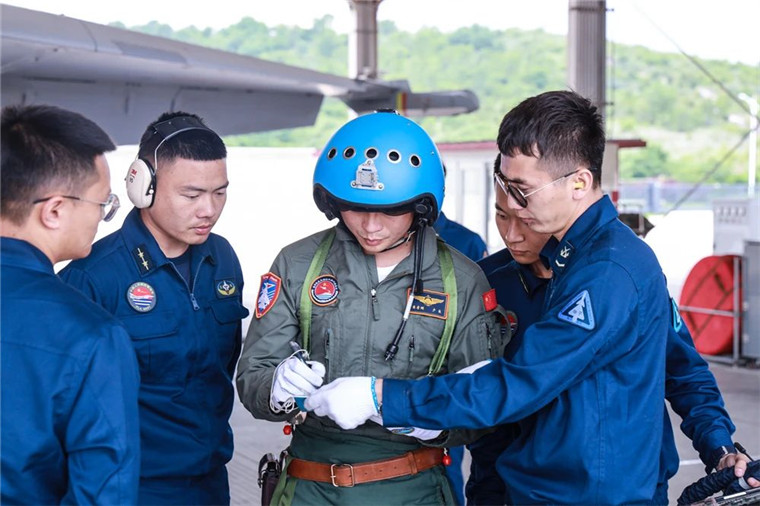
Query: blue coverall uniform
[690, 387]
[586, 384]
[495, 261]
[69, 404]
[187, 337]
[474, 247]
[460, 237]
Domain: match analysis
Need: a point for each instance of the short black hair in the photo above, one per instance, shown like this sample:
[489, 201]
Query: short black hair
[45, 148]
[194, 144]
[557, 126]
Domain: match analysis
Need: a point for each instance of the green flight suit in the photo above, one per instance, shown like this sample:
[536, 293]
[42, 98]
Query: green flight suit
[349, 335]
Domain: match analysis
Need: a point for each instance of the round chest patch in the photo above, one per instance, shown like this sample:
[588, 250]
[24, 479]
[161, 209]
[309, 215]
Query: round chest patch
[141, 296]
[324, 290]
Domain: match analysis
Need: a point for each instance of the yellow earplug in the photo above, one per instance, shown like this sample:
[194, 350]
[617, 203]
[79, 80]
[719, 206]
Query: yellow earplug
[578, 185]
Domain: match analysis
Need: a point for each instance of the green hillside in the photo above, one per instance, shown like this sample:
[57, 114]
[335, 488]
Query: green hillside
[689, 122]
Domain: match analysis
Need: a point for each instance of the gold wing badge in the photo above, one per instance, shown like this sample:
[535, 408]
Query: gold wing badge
[430, 303]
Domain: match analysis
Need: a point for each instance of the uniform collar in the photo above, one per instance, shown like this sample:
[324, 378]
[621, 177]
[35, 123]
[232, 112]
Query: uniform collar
[530, 282]
[20, 253]
[144, 249]
[557, 255]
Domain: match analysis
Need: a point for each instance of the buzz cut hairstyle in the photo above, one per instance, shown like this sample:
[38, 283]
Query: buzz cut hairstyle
[44, 149]
[194, 144]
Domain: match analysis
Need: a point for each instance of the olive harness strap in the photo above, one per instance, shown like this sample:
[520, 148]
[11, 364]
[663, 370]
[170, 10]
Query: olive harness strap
[449, 286]
[315, 268]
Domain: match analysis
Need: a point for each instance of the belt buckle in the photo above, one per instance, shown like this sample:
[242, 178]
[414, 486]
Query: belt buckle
[333, 476]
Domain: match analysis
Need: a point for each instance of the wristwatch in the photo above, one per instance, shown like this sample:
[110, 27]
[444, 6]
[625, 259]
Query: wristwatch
[714, 456]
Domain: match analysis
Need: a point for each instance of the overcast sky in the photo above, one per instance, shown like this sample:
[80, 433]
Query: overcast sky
[723, 29]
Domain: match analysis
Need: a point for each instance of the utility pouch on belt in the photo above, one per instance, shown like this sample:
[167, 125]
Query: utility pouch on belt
[269, 474]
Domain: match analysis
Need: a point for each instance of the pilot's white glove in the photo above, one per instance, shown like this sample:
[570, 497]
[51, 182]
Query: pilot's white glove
[473, 367]
[294, 378]
[416, 432]
[348, 401]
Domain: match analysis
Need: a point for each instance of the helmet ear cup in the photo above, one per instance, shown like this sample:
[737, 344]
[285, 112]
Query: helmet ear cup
[141, 183]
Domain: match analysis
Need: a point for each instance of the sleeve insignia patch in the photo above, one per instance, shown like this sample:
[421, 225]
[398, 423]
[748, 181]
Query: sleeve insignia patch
[579, 311]
[269, 290]
[677, 321]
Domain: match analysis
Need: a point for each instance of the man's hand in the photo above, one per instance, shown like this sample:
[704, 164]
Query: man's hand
[294, 378]
[739, 460]
[348, 401]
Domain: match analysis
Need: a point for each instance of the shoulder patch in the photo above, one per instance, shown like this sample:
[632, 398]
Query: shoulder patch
[141, 296]
[269, 290]
[676, 319]
[579, 311]
[430, 303]
[324, 290]
[489, 300]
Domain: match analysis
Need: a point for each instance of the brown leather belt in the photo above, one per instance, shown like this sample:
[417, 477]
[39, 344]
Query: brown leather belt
[348, 475]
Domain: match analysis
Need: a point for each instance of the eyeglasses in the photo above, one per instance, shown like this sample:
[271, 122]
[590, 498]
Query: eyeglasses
[108, 208]
[517, 194]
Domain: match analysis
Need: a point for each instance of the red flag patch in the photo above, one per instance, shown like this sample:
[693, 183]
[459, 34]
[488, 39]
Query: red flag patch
[489, 300]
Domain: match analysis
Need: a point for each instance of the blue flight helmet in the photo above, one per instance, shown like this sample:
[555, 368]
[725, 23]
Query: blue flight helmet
[380, 162]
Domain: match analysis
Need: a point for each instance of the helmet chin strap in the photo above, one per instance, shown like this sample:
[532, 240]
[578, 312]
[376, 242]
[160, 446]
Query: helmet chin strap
[416, 288]
[402, 241]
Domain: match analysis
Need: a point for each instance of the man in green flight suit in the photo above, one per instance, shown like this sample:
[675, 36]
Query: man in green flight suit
[376, 295]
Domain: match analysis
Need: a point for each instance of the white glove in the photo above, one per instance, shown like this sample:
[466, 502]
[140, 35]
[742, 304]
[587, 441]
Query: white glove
[416, 432]
[348, 401]
[473, 367]
[294, 378]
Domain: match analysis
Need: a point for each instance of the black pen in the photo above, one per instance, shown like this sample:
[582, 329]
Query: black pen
[299, 352]
[739, 447]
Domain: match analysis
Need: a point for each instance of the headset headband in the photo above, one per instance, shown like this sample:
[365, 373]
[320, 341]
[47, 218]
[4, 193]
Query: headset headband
[165, 130]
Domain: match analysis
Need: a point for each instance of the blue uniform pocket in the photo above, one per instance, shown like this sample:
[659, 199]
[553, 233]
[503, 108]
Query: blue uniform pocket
[154, 337]
[228, 311]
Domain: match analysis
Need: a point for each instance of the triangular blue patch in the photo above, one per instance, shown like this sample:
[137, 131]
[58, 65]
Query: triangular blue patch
[676, 316]
[579, 311]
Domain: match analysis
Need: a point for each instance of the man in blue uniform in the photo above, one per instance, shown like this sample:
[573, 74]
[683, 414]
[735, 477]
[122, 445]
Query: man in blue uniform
[473, 247]
[178, 290]
[461, 237]
[589, 377]
[70, 381]
[690, 386]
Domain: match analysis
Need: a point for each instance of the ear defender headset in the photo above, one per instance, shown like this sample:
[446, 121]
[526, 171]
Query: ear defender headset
[141, 176]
